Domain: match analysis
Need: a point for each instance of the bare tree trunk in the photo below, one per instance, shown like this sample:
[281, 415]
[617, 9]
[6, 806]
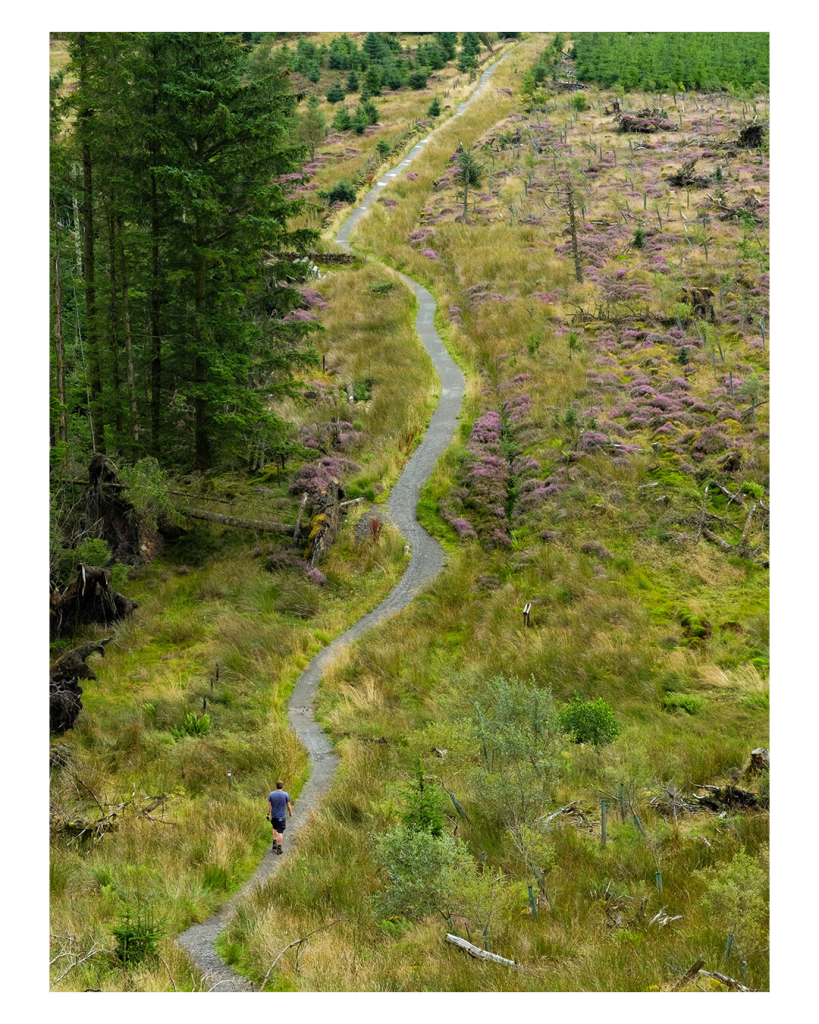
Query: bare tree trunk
[156, 340]
[129, 354]
[114, 334]
[578, 272]
[200, 367]
[59, 339]
[89, 277]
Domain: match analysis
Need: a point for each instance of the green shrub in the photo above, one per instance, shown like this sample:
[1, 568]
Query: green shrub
[343, 192]
[424, 812]
[590, 721]
[434, 109]
[736, 899]
[424, 873]
[688, 702]
[335, 93]
[639, 239]
[193, 725]
[93, 552]
[579, 102]
[137, 938]
[753, 490]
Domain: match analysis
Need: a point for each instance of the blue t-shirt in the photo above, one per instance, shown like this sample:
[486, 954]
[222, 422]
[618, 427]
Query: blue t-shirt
[278, 801]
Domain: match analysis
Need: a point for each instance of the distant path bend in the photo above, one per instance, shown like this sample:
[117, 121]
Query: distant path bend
[426, 562]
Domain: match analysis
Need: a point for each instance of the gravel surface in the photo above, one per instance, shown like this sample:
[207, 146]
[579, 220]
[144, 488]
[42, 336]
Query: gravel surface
[426, 561]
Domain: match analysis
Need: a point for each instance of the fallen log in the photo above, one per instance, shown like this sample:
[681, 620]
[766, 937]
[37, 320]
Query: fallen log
[240, 523]
[481, 954]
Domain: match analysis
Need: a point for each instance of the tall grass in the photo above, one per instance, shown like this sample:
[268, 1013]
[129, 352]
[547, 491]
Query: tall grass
[610, 630]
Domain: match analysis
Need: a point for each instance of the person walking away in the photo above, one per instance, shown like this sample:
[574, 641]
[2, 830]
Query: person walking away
[277, 803]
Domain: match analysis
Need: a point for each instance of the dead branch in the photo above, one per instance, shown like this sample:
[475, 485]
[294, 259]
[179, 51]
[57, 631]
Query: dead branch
[731, 983]
[297, 528]
[731, 497]
[741, 543]
[296, 942]
[723, 545]
[94, 951]
[481, 954]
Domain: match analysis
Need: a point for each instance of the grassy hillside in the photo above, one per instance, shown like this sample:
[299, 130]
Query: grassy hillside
[610, 470]
[219, 597]
[609, 437]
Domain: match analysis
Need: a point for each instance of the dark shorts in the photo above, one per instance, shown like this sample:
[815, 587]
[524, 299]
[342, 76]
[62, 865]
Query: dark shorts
[279, 824]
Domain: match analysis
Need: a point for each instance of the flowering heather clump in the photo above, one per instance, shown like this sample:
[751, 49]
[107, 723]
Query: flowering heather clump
[593, 547]
[523, 464]
[317, 576]
[313, 299]
[592, 439]
[486, 430]
[709, 442]
[314, 477]
[666, 428]
[430, 254]
[500, 538]
[279, 560]
[388, 202]
[515, 382]
[462, 527]
[412, 176]
[517, 408]
[550, 536]
[547, 296]
[299, 316]
[456, 316]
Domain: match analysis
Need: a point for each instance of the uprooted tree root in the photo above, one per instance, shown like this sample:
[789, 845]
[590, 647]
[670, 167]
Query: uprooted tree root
[65, 692]
[88, 599]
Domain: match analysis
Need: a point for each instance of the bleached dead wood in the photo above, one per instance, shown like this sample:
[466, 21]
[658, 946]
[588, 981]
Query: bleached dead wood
[481, 954]
[723, 545]
[263, 525]
[731, 983]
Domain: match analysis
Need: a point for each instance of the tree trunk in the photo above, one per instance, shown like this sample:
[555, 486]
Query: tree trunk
[578, 273]
[89, 275]
[59, 339]
[156, 340]
[200, 366]
[129, 354]
[113, 339]
[325, 523]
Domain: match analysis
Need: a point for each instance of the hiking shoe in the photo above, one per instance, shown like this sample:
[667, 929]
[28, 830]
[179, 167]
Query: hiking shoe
[279, 850]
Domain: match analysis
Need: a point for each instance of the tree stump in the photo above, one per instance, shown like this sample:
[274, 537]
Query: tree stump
[325, 522]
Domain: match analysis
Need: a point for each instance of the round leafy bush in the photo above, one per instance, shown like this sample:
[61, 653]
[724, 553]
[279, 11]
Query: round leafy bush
[590, 721]
[343, 192]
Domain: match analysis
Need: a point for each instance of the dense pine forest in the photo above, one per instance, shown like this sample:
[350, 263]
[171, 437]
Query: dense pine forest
[552, 762]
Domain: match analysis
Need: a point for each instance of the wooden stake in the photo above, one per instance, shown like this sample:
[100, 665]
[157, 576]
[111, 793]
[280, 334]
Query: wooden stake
[603, 822]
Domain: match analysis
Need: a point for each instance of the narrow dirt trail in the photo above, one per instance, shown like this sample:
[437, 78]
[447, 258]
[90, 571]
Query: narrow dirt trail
[425, 564]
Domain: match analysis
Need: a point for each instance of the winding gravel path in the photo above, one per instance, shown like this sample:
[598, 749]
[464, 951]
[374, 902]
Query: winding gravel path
[425, 563]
